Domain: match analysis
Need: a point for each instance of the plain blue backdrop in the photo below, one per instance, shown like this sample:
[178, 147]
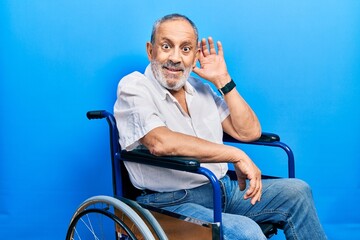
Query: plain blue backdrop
[297, 63]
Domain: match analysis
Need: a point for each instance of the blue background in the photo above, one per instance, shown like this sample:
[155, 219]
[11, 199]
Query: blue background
[296, 62]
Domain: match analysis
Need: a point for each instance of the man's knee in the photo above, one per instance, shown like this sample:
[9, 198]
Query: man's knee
[300, 189]
[295, 194]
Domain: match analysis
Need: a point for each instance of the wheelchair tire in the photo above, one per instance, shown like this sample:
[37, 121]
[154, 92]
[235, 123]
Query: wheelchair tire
[105, 217]
[147, 217]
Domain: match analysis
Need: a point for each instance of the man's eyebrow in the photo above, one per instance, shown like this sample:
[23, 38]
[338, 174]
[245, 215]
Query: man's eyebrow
[165, 39]
[186, 42]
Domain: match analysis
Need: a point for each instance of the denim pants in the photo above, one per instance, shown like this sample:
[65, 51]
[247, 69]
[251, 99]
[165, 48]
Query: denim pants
[286, 202]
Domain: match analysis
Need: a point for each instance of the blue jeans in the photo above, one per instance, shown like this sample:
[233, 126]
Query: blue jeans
[286, 202]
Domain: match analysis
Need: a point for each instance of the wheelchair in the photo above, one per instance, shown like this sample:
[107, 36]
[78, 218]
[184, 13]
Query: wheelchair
[120, 217]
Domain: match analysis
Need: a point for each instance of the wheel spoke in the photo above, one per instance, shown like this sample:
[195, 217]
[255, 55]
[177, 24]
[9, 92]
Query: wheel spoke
[105, 217]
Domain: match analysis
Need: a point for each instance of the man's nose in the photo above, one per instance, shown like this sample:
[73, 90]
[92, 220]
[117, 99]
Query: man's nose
[175, 56]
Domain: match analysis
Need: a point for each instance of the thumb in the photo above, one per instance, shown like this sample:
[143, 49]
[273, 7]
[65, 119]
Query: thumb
[196, 70]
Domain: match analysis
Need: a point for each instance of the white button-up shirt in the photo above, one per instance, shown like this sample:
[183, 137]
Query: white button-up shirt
[143, 104]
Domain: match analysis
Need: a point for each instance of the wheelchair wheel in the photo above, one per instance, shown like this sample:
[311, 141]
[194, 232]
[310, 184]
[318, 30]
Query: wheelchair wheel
[104, 217]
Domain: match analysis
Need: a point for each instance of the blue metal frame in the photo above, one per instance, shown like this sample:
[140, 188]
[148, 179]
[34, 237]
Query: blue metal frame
[217, 194]
[286, 148]
[114, 148]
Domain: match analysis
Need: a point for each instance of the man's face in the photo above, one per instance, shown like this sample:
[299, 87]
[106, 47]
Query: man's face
[174, 53]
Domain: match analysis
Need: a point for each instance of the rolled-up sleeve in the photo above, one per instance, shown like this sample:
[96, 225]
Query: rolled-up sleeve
[135, 112]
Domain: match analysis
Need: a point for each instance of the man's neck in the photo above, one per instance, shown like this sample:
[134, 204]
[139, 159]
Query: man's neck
[180, 96]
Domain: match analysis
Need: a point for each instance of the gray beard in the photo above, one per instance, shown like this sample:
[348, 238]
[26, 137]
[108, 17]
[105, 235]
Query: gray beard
[169, 82]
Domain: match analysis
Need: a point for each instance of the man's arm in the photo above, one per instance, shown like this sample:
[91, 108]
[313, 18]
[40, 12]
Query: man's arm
[242, 123]
[162, 141]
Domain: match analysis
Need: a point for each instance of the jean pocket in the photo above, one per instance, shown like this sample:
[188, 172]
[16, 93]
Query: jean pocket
[165, 199]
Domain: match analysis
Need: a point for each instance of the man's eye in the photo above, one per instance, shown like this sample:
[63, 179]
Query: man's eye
[165, 46]
[186, 49]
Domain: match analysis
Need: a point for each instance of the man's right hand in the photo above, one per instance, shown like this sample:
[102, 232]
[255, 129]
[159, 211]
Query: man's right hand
[245, 169]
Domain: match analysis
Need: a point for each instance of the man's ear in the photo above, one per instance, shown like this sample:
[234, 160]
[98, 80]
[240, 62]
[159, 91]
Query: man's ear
[197, 54]
[149, 49]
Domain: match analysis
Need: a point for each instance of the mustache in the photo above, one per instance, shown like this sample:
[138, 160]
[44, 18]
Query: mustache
[171, 64]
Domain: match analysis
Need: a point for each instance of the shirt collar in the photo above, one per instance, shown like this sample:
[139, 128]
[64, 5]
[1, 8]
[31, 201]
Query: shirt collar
[163, 91]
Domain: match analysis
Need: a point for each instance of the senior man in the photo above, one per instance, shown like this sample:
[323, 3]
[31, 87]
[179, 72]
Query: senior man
[172, 113]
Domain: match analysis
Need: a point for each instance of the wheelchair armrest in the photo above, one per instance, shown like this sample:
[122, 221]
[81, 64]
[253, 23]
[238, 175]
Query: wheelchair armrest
[145, 157]
[178, 163]
[265, 137]
[272, 140]
[268, 137]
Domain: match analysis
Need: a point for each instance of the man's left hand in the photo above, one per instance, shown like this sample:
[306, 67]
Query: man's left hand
[212, 64]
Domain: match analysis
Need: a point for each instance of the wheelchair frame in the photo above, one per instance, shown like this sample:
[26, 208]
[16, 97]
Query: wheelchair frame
[177, 163]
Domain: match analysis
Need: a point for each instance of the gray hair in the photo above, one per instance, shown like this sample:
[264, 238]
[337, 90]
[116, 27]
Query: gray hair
[174, 16]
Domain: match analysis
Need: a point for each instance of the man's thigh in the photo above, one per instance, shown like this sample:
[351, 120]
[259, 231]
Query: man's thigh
[234, 226]
[278, 197]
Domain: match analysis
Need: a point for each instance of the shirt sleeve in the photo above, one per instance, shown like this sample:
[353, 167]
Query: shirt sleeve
[135, 114]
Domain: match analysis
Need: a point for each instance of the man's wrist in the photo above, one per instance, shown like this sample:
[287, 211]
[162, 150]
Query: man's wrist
[227, 88]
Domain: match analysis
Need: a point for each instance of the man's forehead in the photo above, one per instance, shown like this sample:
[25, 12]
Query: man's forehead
[176, 29]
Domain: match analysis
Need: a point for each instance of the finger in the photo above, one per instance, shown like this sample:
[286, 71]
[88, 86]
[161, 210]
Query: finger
[257, 196]
[253, 188]
[211, 45]
[260, 188]
[220, 49]
[204, 48]
[260, 191]
[197, 71]
[254, 193]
